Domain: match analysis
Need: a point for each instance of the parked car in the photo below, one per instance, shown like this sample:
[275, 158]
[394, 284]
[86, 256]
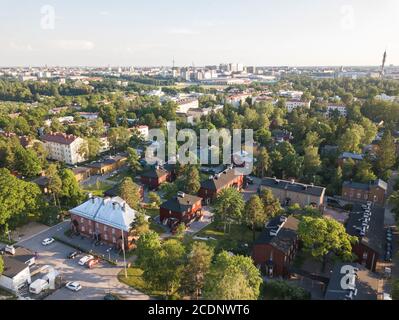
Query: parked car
[91, 263]
[9, 249]
[74, 286]
[47, 241]
[249, 180]
[73, 254]
[84, 260]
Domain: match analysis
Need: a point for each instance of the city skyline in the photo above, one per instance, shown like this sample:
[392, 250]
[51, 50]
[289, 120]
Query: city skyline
[261, 33]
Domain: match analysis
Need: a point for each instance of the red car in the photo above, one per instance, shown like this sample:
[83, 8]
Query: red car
[91, 263]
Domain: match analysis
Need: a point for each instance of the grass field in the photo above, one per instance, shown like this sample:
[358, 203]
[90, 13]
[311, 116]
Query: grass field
[237, 238]
[135, 280]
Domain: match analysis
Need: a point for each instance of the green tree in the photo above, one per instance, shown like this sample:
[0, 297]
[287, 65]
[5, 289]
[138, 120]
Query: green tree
[197, 267]
[254, 213]
[263, 163]
[18, 200]
[232, 277]
[395, 289]
[27, 162]
[282, 290]
[141, 224]
[364, 172]
[191, 180]
[169, 190]
[321, 236]
[229, 206]
[350, 141]
[386, 154]
[154, 199]
[130, 192]
[271, 204]
[133, 160]
[311, 161]
[54, 183]
[71, 192]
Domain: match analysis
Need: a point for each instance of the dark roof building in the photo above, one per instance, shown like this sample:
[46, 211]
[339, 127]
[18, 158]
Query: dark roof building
[375, 191]
[183, 207]
[351, 281]
[369, 228]
[290, 192]
[276, 246]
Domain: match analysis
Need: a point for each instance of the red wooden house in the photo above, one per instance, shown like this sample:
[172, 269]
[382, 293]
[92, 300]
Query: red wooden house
[211, 187]
[183, 208]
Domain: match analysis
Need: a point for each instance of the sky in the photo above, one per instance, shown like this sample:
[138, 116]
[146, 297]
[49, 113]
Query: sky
[205, 32]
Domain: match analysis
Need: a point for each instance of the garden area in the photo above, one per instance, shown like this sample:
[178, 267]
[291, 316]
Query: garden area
[135, 280]
[237, 238]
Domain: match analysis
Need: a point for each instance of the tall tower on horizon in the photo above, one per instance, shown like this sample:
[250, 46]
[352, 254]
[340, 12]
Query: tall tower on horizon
[384, 59]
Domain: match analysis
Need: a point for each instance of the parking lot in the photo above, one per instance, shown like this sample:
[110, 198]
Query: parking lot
[95, 282]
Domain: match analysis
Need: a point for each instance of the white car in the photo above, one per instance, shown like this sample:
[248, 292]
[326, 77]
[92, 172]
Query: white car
[74, 286]
[47, 241]
[84, 260]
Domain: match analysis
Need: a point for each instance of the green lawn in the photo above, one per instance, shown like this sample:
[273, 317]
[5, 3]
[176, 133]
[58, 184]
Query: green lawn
[97, 189]
[238, 239]
[119, 177]
[135, 280]
[154, 226]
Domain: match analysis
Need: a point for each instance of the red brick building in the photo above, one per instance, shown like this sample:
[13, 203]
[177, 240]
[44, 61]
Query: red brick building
[276, 247]
[154, 177]
[183, 208]
[211, 187]
[105, 219]
[374, 191]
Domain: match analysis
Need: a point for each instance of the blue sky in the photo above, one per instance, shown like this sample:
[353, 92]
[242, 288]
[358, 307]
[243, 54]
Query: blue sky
[152, 32]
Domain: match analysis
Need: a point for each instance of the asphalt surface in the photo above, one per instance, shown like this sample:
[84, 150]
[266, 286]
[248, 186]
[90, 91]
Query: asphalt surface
[95, 282]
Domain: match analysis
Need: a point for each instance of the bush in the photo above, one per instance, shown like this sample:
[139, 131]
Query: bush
[282, 290]
[395, 290]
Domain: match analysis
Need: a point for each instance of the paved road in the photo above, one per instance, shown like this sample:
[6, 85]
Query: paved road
[96, 282]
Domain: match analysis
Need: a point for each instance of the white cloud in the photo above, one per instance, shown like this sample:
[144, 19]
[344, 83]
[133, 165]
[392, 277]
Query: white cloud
[21, 47]
[75, 45]
[104, 13]
[182, 31]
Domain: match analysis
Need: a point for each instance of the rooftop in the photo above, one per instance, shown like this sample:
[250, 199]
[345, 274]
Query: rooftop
[12, 266]
[219, 180]
[366, 186]
[280, 233]
[181, 203]
[114, 212]
[59, 137]
[364, 283]
[293, 186]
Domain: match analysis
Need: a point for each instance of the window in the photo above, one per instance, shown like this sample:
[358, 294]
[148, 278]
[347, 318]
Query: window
[82, 228]
[105, 228]
[81, 220]
[113, 239]
[113, 231]
[106, 236]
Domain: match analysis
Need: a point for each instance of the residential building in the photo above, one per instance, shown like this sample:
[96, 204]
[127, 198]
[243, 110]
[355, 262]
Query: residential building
[341, 109]
[374, 191]
[211, 187]
[183, 105]
[155, 176]
[183, 208]
[16, 274]
[105, 219]
[345, 156]
[64, 148]
[107, 165]
[237, 99]
[81, 173]
[291, 105]
[290, 192]
[276, 247]
[369, 229]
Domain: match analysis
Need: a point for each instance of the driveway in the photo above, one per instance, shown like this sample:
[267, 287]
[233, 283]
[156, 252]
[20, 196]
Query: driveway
[252, 189]
[95, 282]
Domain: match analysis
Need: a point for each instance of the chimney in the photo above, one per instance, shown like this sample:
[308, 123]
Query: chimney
[113, 205]
[124, 207]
